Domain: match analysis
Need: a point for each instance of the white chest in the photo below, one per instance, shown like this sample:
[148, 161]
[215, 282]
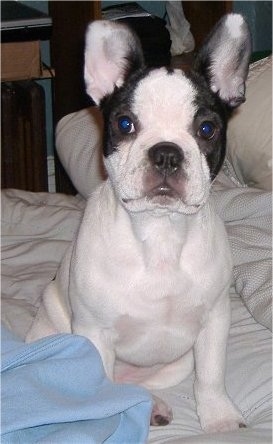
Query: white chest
[149, 283]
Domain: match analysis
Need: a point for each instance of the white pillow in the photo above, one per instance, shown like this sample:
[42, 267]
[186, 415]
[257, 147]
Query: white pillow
[79, 146]
[249, 137]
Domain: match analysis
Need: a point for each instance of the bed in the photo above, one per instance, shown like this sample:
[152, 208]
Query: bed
[55, 390]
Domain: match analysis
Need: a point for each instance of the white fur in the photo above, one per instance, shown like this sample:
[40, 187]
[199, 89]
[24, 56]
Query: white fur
[148, 276]
[228, 76]
[102, 72]
[234, 23]
[169, 301]
[160, 291]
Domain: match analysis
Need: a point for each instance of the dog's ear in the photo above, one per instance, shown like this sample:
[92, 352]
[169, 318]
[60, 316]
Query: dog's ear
[224, 58]
[112, 52]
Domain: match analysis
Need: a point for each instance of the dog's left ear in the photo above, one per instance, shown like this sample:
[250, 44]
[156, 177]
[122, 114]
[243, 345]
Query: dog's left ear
[224, 59]
[112, 52]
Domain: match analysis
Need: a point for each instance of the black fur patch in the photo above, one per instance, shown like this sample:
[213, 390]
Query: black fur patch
[210, 108]
[117, 104]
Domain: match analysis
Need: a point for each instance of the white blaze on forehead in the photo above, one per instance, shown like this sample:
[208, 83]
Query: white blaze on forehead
[234, 23]
[163, 102]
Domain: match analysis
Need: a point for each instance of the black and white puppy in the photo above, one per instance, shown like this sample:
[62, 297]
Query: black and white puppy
[147, 278]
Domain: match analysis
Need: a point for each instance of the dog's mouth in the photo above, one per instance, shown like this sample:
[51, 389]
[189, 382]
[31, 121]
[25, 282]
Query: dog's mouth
[161, 192]
[177, 192]
[163, 195]
[165, 188]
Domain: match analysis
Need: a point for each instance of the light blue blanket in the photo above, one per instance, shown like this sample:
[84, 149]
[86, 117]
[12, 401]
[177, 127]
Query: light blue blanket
[55, 391]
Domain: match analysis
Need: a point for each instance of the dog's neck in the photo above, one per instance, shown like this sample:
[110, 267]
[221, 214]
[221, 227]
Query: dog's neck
[162, 237]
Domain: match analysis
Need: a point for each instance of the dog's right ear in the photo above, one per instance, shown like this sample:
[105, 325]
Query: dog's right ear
[112, 52]
[224, 58]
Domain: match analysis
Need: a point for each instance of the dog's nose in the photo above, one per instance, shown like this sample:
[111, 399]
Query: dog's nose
[166, 157]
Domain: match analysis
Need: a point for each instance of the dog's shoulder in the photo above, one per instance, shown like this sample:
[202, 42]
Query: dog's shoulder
[103, 213]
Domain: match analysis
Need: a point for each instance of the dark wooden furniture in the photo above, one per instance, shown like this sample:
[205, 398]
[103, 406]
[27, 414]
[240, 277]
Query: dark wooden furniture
[23, 136]
[23, 121]
[70, 20]
[202, 16]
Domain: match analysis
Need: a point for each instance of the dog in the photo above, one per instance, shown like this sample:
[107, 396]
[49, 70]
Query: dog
[147, 278]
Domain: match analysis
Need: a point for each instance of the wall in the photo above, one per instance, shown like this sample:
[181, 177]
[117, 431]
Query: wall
[259, 17]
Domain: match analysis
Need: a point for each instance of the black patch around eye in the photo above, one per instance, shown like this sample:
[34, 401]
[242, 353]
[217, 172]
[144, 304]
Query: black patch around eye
[116, 105]
[113, 134]
[115, 131]
[213, 146]
[209, 108]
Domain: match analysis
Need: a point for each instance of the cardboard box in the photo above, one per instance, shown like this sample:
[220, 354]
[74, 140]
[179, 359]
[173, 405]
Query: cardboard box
[20, 60]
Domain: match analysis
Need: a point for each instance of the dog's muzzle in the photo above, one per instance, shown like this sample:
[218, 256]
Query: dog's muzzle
[166, 157]
[164, 179]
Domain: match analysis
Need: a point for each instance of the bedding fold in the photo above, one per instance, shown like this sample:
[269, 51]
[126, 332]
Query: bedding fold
[55, 390]
[247, 213]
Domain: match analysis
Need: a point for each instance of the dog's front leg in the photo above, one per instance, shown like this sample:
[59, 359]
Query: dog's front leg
[215, 409]
[103, 344]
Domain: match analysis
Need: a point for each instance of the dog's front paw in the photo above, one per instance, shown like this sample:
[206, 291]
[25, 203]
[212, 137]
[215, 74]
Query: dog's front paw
[220, 416]
[161, 414]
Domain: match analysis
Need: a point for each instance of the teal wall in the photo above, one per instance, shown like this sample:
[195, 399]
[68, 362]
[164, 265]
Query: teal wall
[259, 17]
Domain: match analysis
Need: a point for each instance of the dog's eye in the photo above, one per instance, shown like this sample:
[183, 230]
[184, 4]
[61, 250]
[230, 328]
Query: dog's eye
[126, 125]
[206, 130]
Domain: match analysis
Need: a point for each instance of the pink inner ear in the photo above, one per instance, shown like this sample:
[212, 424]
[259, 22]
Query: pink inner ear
[107, 48]
[101, 76]
[229, 49]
